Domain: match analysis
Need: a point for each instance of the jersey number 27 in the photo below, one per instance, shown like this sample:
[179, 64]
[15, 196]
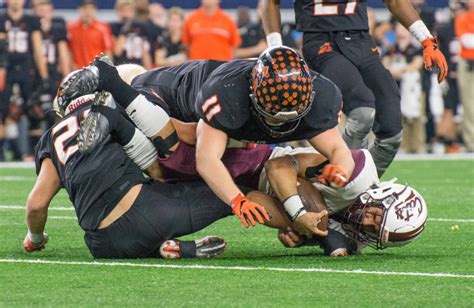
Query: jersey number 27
[321, 9]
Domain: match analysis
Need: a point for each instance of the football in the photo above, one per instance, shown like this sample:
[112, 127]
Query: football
[312, 200]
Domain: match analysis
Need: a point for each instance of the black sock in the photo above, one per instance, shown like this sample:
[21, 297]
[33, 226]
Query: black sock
[111, 81]
[121, 128]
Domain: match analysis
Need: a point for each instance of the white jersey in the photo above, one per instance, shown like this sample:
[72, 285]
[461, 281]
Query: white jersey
[337, 199]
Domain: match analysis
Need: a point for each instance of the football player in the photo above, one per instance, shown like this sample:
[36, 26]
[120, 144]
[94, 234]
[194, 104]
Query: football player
[336, 43]
[123, 214]
[281, 171]
[268, 100]
[367, 211]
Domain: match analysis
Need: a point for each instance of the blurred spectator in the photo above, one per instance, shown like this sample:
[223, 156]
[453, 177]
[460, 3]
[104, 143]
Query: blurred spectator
[24, 57]
[157, 15]
[131, 40]
[464, 26]
[380, 32]
[209, 33]
[88, 37]
[405, 63]
[156, 23]
[141, 7]
[56, 54]
[252, 34]
[448, 43]
[171, 51]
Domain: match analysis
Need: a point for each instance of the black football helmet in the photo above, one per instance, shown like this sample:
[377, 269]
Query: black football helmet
[281, 90]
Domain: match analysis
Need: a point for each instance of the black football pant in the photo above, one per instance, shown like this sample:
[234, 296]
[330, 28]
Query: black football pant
[160, 212]
[351, 60]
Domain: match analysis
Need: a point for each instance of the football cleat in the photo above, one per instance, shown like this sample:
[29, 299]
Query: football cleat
[29, 246]
[95, 127]
[88, 79]
[207, 247]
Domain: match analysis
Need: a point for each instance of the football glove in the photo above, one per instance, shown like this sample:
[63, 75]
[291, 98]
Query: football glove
[29, 246]
[432, 54]
[247, 211]
[333, 175]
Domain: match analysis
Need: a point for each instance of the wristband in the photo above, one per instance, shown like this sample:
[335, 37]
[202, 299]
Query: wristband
[35, 237]
[294, 207]
[419, 30]
[274, 40]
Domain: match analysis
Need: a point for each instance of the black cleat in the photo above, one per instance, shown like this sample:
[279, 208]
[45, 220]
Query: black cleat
[95, 128]
[89, 79]
[207, 247]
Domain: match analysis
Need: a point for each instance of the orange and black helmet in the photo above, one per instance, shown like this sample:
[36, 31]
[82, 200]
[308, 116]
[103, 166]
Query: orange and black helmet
[281, 85]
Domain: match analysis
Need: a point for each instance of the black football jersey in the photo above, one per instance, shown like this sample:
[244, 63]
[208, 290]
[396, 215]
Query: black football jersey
[176, 88]
[330, 15]
[20, 50]
[224, 103]
[85, 177]
[57, 33]
[136, 42]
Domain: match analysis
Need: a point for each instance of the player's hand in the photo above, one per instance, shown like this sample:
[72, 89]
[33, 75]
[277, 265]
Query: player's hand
[290, 238]
[29, 246]
[307, 224]
[432, 54]
[333, 175]
[248, 211]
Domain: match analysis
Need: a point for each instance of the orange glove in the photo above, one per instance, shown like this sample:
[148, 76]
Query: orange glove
[333, 174]
[29, 246]
[247, 211]
[431, 53]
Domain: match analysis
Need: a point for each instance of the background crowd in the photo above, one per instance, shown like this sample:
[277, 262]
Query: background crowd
[42, 48]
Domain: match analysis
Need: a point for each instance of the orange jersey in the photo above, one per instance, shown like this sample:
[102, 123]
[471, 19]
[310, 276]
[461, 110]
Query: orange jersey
[87, 41]
[465, 25]
[210, 36]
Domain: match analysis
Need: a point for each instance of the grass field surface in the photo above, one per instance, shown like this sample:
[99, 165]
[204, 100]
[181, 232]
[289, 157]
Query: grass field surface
[436, 270]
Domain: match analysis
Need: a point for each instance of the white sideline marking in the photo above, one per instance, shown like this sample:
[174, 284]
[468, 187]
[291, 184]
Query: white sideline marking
[17, 178]
[22, 207]
[241, 268]
[19, 165]
[451, 220]
[429, 157]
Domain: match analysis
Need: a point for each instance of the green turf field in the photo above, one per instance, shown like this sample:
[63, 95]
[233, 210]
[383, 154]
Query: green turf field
[256, 270]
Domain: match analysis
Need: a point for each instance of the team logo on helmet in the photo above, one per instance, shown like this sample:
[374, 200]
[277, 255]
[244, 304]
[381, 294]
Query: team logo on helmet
[281, 85]
[402, 210]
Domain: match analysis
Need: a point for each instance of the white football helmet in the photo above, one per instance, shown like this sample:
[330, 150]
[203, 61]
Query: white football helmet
[403, 218]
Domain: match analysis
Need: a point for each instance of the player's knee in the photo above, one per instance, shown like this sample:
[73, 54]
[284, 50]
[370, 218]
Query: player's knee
[360, 121]
[129, 71]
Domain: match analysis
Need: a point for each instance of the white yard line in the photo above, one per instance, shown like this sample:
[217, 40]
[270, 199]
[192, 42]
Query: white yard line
[16, 178]
[63, 217]
[240, 268]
